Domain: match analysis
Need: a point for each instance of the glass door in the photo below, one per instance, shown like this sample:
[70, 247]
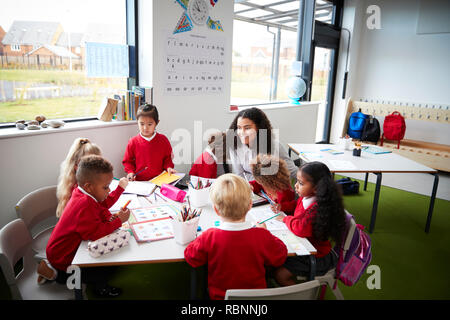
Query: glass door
[320, 88]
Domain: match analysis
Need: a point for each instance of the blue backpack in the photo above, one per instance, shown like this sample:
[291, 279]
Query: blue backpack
[356, 124]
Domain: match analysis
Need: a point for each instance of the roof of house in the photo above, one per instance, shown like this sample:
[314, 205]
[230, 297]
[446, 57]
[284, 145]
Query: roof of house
[31, 33]
[75, 39]
[56, 50]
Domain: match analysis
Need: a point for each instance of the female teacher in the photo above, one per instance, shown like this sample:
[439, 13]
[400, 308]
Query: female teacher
[253, 135]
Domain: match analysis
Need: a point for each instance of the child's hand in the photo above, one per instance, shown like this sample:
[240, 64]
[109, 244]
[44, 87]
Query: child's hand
[251, 187]
[130, 176]
[262, 225]
[123, 182]
[276, 208]
[124, 215]
[280, 217]
[171, 171]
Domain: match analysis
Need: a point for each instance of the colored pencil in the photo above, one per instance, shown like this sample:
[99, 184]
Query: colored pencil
[140, 171]
[126, 204]
[270, 218]
[267, 197]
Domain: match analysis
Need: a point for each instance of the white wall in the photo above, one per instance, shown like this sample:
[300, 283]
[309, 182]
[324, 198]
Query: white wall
[396, 64]
[32, 161]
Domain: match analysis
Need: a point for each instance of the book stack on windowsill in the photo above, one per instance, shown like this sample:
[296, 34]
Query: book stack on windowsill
[125, 106]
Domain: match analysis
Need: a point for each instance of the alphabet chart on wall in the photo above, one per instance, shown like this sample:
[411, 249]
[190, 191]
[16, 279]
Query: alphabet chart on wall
[194, 64]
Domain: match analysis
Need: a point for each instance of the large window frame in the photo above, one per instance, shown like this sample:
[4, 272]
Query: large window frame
[131, 7]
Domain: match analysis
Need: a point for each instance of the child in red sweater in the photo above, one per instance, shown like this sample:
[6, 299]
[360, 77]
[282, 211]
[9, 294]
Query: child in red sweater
[319, 216]
[149, 153]
[84, 218]
[211, 163]
[272, 177]
[236, 252]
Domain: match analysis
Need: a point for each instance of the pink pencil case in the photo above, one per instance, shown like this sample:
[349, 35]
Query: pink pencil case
[173, 192]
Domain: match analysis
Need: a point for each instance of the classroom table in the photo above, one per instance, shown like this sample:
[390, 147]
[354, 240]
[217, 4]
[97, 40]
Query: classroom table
[366, 163]
[161, 251]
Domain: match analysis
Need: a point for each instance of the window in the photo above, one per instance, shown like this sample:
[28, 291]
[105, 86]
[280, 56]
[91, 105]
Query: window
[264, 38]
[48, 77]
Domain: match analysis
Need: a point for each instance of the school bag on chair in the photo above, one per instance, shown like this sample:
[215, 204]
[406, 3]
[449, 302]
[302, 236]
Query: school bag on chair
[356, 124]
[394, 128]
[371, 131]
[355, 253]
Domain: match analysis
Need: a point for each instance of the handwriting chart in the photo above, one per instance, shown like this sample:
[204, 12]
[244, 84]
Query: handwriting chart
[194, 64]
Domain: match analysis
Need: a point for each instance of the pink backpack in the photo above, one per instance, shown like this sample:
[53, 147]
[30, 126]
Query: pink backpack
[355, 253]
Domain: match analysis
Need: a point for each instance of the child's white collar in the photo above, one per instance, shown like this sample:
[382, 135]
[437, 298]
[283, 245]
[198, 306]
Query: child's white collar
[148, 139]
[308, 201]
[86, 193]
[208, 149]
[235, 226]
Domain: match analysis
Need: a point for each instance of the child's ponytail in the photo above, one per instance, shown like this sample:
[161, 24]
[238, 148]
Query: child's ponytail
[66, 180]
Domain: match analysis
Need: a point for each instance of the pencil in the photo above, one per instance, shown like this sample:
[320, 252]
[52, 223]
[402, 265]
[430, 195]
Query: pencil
[126, 204]
[140, 171]
[267, 197]
[270, 218]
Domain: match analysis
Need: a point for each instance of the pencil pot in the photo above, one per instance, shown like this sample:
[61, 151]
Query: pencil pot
[198, 197]
[185, 232]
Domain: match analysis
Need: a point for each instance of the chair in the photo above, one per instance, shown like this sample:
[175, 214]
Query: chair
[330, 277]
[38, 210]
[15, 244]
[303, 291]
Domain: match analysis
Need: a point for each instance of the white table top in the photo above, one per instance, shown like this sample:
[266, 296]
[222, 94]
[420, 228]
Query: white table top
[367, 162]
[157, 251]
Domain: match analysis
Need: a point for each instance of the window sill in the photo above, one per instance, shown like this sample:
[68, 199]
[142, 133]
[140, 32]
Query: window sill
[70, 126]
[274, 106]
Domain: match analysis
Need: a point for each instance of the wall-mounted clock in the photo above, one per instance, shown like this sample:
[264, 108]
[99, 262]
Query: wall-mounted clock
[198, 11]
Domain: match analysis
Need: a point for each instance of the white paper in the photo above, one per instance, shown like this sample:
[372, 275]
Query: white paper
[123, 200]
[259, 214]
[143, 188]
[342, 165]
[293, 242]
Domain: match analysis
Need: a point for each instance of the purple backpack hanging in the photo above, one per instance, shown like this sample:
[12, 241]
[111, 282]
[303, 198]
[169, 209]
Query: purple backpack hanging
[354, 257]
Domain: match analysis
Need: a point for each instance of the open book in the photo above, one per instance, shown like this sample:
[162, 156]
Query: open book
[153, 223]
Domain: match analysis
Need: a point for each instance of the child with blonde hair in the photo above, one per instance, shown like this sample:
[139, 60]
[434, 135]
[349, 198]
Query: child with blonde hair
[236, 252]
[67, 181]
[273, 178]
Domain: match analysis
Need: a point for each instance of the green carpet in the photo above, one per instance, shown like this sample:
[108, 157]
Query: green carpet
[413, 264]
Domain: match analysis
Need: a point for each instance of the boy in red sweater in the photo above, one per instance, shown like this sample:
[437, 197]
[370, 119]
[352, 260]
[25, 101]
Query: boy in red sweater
[236, 252]
[85, 217]
[149, 153]
[272, 177]
[211, 163]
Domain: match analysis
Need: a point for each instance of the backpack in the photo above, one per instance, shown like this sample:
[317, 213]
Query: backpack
[348, 186]
[371, 131]
[356, 124]
[394, 127]
[353, 262]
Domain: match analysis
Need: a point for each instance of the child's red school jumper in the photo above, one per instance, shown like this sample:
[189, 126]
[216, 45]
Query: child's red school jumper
[236, 254]
[155, 154]
[83, 219]
[301, 224]
[286, 198]
[205, 166]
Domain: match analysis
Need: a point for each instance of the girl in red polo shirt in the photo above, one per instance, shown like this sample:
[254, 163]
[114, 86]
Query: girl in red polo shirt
[272, 177]
[149, 153]
[319, 216]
